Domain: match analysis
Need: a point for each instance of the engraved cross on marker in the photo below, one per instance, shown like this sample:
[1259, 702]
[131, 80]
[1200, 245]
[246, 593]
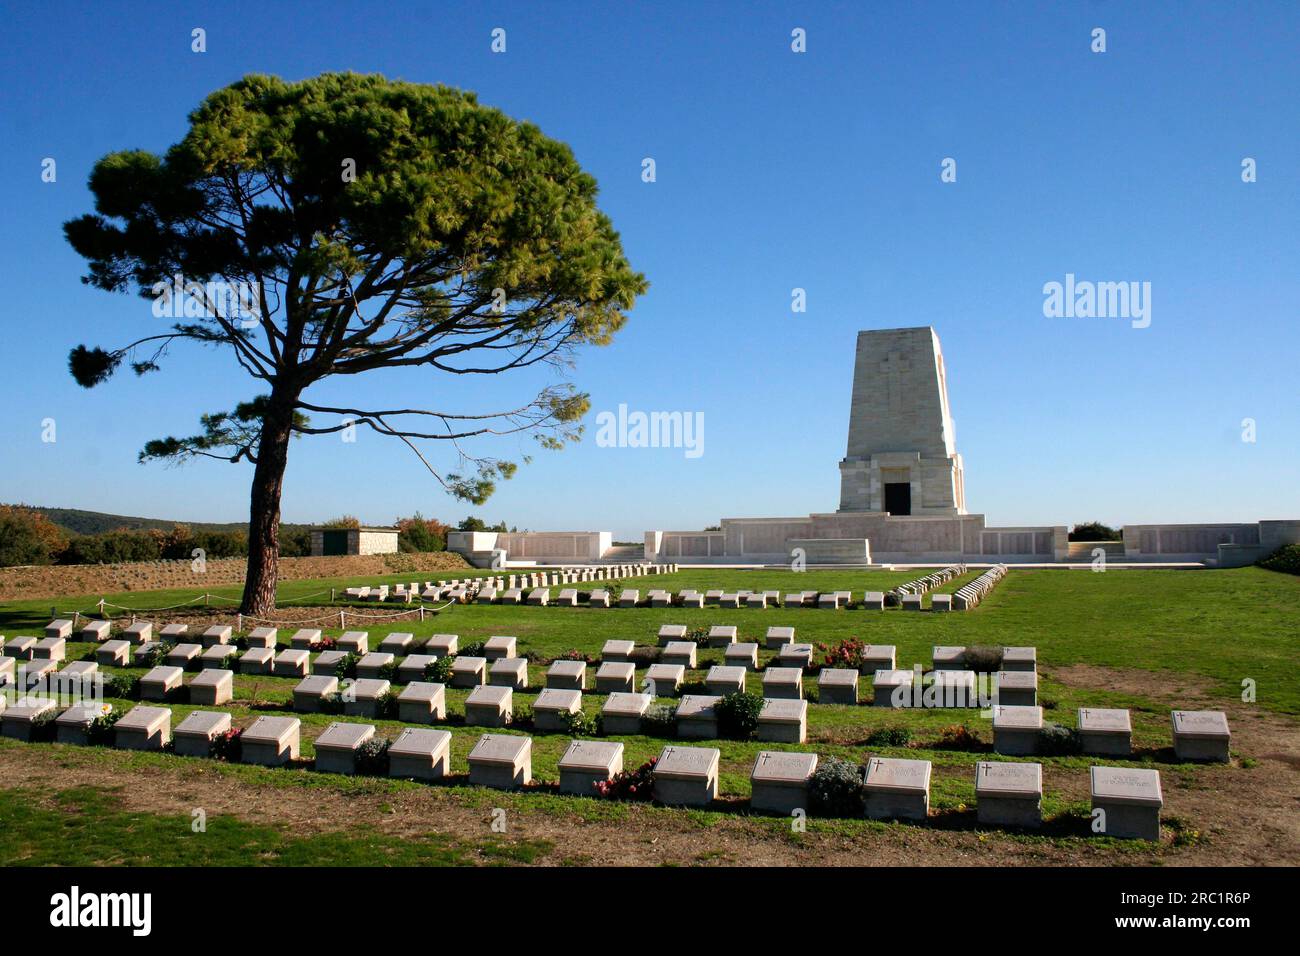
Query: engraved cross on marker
[892, 369]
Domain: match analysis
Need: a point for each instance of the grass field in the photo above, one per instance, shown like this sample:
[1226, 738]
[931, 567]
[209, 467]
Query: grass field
[1147, 640]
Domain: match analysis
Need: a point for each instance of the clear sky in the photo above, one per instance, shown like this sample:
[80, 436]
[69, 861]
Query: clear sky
[775, 170]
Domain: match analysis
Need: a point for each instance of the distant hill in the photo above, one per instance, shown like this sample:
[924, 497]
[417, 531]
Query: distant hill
[97, 522]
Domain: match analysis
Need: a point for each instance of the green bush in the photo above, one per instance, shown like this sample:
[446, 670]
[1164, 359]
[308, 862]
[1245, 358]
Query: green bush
[1094, 531]
[659, 720]
[43, 727]
[100, 731]
[983, 659]
[347, 666]
[1285, 559]
[580, 724]
[472, 650]
[439, 671]
[124, 686]
[331, 703]
[386, 706]
[372, 758]
[889, 737]
[958, 737]
[738, 714]
[154, 656]
[1055, 740]
[835, 789]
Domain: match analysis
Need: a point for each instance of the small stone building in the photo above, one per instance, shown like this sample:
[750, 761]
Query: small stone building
[335, 541]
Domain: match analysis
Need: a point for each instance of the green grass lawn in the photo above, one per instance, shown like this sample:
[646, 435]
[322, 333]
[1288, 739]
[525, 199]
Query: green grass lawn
[1219, 626]
[1224, 626]
[85, 826]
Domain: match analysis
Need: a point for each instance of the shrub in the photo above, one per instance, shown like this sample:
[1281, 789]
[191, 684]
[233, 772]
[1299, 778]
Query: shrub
[581, 724]
[124, 686]
[324, 644]
[419, 534]
[958, 737]
[386, 706]
[155, 655]
[698, 635]
[231, 660]
[635, 784]
[847, 653]
[331, 703]
[573, 654]
[388, 671]
[1055, 740]
[439, 671]
[1285, 559]
[1094, 531]
[889, 737]
[659, 720]
[835, 789]
[983, 659]
[347, 666]
[472, 650]
[738, 714]
[644, 656]
[100, 731]
[226, 746]
[43, 728]
[372, 758]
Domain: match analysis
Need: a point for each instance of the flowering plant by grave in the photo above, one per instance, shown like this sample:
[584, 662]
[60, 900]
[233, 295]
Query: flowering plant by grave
[835, 788]
[580, 724]
[372, 758]
[100, 730]
[43, 727]
[635, 784]
[227, 745]
[573, 654]
[698, 635]
[324, 644]
[847, 653]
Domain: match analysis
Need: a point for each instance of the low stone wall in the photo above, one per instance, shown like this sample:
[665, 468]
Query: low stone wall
[62, 581]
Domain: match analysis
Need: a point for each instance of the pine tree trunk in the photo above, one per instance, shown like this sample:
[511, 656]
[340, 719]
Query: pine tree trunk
[264, 508]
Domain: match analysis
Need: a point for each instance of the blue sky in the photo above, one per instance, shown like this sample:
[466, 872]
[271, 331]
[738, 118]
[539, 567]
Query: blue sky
[775, 170]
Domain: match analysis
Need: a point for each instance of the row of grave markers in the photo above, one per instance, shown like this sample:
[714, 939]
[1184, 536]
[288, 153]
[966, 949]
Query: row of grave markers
[1126, 801]
[492, 678]
[470, 588]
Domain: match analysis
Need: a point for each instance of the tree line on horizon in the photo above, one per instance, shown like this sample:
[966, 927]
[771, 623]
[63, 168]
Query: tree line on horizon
[29, 537]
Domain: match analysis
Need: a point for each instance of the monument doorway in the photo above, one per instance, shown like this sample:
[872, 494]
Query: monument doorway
[898, 497]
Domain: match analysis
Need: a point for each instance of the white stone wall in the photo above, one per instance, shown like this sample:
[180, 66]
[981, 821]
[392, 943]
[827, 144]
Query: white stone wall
[373, 542]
